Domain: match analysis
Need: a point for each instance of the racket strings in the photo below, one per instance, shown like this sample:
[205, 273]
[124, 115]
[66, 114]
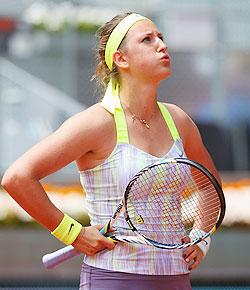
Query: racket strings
[167, 201]
[202, 208]
[154, 200]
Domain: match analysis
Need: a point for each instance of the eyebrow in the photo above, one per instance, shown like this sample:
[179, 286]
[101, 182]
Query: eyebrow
[152, 33]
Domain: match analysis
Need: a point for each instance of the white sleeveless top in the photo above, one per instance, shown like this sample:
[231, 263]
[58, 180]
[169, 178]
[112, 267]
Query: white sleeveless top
[104, 186]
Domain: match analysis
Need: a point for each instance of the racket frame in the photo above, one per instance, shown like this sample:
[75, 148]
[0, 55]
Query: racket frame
[149, 241]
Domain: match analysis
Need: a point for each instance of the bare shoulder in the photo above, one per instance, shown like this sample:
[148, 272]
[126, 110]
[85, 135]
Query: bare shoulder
[182, 120]
[94, 116]
[176, 112]
[90, 123]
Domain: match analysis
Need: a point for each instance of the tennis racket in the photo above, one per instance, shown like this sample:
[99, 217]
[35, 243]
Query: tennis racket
[163, 204]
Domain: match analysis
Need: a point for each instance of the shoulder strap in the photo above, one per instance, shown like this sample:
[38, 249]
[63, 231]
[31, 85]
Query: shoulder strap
[169, 121]
[120, 121]
[121, 126]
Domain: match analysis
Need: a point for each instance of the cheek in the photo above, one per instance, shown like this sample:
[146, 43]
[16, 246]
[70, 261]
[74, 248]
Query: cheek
[143, 63]
[138, 65]
[143, 66]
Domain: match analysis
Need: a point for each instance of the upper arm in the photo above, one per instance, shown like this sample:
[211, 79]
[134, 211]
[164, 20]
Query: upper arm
[192, 141]
[74, 138]
[196, 150]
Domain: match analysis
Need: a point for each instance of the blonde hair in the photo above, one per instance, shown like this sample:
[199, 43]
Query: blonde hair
[102, 73]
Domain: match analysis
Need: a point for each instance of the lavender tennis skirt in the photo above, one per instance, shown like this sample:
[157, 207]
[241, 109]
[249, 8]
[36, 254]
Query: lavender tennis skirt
[100, 279]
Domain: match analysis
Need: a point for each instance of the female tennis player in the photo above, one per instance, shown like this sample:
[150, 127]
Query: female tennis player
[110, 142]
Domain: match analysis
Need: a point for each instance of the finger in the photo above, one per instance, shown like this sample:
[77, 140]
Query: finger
[99, 227]
[105, 228]
[198, 249]
[85, 248]
[104, 242]
[195, 264]
[188, 251]
[98, 244]
[193, 249]
[191, 256]
[94, 240]
[108, 243]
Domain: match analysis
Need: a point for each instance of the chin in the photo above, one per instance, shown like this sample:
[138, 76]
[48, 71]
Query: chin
[164, 75]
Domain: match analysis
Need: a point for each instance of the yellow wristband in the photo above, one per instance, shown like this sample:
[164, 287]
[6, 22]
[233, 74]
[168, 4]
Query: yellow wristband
[68, 230]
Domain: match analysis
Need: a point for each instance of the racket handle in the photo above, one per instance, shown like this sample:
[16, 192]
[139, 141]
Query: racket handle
[53, 259]
[104, 230]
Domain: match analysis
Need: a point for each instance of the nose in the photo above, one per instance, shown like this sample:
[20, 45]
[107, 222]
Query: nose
[162, 47]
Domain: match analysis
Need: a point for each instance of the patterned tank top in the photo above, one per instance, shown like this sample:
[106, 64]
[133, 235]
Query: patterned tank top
[104, 186]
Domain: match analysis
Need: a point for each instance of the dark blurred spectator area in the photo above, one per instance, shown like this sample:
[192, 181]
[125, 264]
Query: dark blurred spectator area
[7, 28]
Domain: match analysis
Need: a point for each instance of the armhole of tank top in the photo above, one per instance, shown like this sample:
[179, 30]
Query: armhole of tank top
[169, 121]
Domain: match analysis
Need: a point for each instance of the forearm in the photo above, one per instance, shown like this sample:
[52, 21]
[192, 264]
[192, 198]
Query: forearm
[30, 195]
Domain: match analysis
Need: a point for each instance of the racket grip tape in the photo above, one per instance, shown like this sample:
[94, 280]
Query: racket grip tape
[105, 232]
[53, 259]
[105, 229]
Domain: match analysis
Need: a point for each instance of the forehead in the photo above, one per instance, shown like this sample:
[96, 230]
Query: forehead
[142, 27]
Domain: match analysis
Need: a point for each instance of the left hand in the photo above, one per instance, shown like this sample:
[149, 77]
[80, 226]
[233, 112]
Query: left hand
[193, 255]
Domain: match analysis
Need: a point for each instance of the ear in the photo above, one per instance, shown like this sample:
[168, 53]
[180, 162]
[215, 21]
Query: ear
[119, 59]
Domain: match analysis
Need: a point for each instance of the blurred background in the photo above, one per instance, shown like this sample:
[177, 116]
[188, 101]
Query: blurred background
[47, 58]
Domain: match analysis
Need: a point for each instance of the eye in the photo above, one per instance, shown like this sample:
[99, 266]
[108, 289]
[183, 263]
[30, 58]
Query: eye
[161, 37]
[146, 39]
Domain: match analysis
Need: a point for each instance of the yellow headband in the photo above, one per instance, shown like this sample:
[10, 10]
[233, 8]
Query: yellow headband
[111, 98]
[117, 36]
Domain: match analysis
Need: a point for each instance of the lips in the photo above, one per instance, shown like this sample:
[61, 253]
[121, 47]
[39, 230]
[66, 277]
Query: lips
[165, 57]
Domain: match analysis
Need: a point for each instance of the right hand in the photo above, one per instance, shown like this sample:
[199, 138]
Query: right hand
[91, 241]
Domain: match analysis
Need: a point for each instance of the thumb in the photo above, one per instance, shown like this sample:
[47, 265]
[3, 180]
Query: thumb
[107, 242]
[100, 227]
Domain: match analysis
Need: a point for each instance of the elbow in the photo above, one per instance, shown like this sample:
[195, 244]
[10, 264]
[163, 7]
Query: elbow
[11, 179]
[7, 180]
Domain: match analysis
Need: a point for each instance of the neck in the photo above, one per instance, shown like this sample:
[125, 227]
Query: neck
[140, 100]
